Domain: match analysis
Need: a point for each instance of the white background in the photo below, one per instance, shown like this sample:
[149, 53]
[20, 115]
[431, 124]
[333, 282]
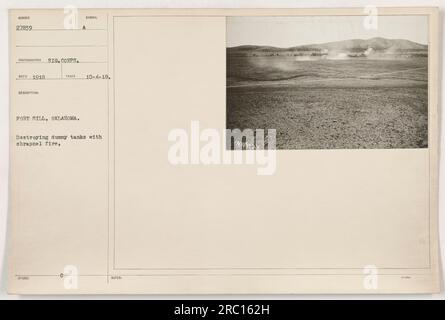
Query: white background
[4, 112]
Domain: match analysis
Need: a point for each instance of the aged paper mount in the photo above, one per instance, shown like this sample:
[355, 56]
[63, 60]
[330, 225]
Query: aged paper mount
[123, 179]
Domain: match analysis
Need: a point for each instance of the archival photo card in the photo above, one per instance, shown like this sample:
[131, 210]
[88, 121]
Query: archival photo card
[122, 181]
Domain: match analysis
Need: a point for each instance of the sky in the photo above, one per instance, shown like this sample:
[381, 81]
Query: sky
[298, 30]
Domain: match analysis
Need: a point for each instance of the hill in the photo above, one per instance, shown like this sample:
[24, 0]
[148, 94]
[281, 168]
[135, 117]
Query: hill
[352, 47]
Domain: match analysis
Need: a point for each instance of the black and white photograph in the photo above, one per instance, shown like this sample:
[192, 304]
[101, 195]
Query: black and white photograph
[330, 82]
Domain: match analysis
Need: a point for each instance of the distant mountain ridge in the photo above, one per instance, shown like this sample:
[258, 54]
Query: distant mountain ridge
[352, 45]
